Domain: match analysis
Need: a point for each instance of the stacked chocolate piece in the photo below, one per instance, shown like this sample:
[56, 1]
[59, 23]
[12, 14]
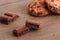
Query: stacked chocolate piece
[8, 18]
[29, 26]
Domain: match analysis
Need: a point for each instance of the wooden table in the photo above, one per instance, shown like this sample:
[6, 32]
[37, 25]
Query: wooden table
[49, 25]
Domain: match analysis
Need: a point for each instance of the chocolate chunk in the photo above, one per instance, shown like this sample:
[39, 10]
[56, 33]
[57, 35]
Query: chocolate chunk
[32, 25]
[52, 0]
[14, 16]
[5, 19]
[20, 31]
[38, 6]
[39, 13]
[29, 26]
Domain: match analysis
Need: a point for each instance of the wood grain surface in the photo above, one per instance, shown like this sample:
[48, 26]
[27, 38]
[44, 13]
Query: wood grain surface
[49, 25]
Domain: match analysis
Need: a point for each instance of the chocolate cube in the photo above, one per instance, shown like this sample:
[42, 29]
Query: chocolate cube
[5, 19]
[13, 16]
[32, 25]
[20, 31]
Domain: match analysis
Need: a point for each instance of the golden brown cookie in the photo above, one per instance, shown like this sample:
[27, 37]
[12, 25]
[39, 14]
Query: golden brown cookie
[54, 6]
[37, 9]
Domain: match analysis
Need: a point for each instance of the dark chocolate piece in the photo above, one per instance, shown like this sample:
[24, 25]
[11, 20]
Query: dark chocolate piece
[5, 19]
[14, 16]
[20, 31]
[29, 26]
[32, 25]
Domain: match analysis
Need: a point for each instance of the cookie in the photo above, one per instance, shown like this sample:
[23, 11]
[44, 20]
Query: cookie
[37, 9]
[53, 6]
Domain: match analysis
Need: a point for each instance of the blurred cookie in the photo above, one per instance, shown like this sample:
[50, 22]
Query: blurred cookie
[37, 8]
[53, 6]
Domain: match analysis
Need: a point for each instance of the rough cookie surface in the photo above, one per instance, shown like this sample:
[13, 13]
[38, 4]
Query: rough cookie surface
[53, 5]
[37, 8]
